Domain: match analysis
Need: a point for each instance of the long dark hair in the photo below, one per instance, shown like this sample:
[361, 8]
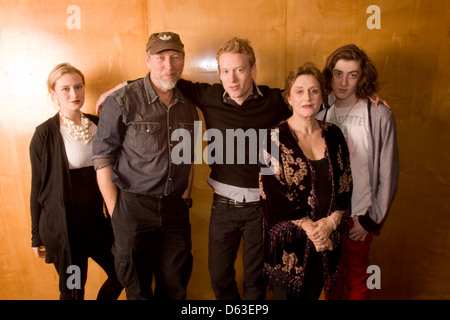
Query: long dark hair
[368, 83]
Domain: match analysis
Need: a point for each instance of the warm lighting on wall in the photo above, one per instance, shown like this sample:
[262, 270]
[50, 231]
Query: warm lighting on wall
[207, 64]
[25, 67]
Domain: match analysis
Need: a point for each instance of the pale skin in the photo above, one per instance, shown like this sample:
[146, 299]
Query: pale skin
[346, 75]
[166, 68]
[69, 94]
[236, 75]
[305, 97]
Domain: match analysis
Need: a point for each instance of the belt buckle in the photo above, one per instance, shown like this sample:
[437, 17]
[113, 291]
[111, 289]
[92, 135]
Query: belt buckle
[238, 204]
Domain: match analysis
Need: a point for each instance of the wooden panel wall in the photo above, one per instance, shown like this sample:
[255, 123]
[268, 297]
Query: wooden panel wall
[34, 38]
[411, 53]
[410, 50]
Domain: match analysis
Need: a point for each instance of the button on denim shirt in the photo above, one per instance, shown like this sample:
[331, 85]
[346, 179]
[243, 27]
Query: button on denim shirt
[134, 134]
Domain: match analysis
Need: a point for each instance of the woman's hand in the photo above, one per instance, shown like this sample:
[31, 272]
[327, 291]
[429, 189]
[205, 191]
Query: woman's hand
[317, 232]
[321, 230]
[327, 245]
[39, 252]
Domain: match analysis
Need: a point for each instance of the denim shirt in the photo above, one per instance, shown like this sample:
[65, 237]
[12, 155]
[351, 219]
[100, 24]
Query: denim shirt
[134, 135]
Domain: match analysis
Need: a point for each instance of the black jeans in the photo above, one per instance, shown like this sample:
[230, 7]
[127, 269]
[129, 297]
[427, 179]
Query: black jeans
[228, 224]
[152, 238]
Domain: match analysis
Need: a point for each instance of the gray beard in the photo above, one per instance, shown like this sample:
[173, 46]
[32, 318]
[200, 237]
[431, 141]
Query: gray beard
[167, 85]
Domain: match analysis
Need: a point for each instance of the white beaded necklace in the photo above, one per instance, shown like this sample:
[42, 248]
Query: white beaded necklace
[79, 131]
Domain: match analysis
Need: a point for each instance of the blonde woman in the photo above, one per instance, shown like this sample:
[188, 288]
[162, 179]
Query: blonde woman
[67, 219]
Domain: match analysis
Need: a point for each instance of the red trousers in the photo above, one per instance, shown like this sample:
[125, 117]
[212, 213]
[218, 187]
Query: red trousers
[352, 273]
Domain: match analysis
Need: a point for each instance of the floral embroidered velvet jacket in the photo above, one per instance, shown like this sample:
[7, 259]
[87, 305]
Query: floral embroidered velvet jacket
[290, 194]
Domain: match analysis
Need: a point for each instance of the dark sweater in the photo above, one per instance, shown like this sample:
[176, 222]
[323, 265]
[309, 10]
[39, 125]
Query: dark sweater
[263, 112]
[51, 196]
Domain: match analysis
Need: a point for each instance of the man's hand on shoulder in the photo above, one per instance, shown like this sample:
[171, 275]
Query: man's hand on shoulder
[99, 104]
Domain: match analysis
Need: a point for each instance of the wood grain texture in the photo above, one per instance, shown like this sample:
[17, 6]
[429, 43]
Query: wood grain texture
[410, 51]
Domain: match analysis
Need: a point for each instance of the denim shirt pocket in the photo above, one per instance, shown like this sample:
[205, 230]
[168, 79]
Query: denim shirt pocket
[189, 126]
[147, 137]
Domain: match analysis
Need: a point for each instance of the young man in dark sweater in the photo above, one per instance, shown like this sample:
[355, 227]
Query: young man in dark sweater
[237, 105]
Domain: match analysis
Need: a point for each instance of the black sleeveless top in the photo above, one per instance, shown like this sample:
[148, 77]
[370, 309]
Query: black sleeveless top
[323, 187]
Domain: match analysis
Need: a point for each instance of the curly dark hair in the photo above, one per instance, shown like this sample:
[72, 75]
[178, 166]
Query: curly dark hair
[367, 84]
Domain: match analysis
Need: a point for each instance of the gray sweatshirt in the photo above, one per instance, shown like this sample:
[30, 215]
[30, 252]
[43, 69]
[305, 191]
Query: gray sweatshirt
[383, 164]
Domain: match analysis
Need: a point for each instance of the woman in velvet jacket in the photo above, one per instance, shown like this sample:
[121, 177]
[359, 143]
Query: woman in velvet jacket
[67, 219]
[306, 199]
